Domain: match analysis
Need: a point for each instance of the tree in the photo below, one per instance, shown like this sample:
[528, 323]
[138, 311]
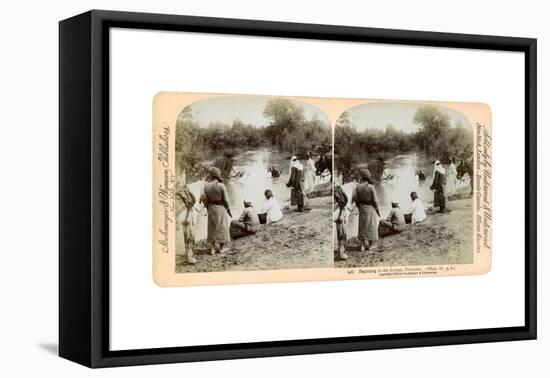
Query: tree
[346, 143]
[433, 135]
[343, 120]
[286, 117]
[461, 142]
[188, 136]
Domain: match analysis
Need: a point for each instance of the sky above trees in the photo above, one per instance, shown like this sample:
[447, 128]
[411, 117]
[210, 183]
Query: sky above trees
[249, 110]
[399, 115]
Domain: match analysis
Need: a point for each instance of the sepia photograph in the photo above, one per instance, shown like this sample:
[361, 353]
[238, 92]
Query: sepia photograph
[403, 187]
[253, 186]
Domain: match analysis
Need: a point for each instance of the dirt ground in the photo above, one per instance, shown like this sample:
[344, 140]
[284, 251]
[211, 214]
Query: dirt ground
[299, 240]
[443, 238]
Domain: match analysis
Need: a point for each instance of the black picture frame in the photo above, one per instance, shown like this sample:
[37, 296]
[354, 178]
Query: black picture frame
[84, 188]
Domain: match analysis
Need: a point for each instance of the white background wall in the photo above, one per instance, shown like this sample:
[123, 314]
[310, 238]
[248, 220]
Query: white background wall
[28, 194]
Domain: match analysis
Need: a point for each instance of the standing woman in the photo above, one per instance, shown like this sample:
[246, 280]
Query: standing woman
[214, 197]
[364, 196]
[309, 173]
[438, 186]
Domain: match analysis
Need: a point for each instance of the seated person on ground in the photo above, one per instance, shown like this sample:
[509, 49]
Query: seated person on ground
[417, 209]
[271, 208]
[394, 223]
[247, 224]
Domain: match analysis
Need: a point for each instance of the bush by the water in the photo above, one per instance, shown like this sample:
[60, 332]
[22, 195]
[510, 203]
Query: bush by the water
[435, 137]
[288, 131]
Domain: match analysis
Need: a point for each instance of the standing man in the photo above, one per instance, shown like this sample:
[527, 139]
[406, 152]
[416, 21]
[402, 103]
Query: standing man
[295, 183]
[438, 186]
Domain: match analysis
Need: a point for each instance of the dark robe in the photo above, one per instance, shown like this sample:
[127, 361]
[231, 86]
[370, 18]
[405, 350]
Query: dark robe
[438, 185]
[295, 183]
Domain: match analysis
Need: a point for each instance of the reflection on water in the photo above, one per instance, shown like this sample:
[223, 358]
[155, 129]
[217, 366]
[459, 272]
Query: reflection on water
[254, 181]
[399, 187]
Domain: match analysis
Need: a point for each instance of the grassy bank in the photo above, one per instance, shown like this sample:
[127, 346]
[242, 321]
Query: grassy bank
[443, 238]
[299, 240]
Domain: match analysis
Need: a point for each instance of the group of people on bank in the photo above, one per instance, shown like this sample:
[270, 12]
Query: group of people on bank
[371, 225]
[216, 201]
[221, 228]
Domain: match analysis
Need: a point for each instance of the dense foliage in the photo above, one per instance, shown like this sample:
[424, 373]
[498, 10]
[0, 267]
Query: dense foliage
[288, 131]
[435, 137]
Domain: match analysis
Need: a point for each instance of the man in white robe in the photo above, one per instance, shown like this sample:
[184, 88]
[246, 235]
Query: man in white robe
[271, 208]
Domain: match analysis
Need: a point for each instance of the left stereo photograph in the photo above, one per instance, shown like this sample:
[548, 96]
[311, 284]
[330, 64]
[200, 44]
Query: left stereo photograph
[242, 188]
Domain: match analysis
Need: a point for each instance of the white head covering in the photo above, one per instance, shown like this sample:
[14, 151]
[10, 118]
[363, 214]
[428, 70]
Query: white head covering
[438, 167]
[292, 159]
[294, 162]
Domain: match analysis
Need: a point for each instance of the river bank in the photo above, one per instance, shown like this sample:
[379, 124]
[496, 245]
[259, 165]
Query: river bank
[443, 238]
[299, 240]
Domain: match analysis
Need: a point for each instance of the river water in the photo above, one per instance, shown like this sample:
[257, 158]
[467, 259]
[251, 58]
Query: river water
[402, 168]
[254, 181]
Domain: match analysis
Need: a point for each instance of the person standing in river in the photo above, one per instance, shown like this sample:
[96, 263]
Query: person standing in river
[364, 197]
[438, 186]
[215, 199]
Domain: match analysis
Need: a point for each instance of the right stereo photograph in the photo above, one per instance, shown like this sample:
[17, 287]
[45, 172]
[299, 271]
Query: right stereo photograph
[412, 189]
